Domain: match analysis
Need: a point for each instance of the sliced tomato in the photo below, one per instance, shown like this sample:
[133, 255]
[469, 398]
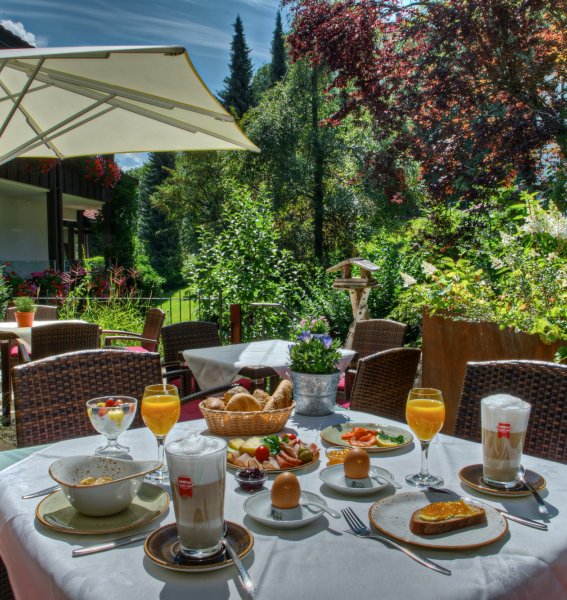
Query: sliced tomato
[291, 436]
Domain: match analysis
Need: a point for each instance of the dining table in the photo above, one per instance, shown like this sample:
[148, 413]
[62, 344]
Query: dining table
[10, 331]
[319, 561]
[221, 365]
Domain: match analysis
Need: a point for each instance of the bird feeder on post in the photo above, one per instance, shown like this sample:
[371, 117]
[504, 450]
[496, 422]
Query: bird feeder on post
[359, 288]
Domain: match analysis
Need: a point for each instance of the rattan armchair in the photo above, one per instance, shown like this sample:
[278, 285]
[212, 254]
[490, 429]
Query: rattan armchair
[148, 340]
[371, 336]
[542, 384]
[42, 313]
[50, 394]
[383, 382]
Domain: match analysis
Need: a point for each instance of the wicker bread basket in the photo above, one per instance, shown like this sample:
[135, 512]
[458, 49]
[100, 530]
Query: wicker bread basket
[231, 422]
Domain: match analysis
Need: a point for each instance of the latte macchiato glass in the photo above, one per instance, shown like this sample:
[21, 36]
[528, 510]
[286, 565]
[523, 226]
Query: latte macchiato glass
[504, 424]
[197, 468]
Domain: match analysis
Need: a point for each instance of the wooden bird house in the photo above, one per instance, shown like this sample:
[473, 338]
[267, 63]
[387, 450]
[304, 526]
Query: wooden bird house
[359, 288]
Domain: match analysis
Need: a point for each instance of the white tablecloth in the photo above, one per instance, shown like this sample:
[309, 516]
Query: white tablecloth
[319, 561]
[220, 365]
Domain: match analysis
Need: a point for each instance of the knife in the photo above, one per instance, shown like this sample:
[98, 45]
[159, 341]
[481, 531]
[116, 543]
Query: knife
[44, 492]
[110, 545]
[506, 514]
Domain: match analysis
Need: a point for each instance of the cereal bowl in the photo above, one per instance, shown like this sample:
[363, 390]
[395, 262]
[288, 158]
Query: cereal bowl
[78, 475]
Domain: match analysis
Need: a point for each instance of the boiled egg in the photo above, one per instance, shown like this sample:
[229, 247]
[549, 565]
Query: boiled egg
[357, 464]
[286, 491]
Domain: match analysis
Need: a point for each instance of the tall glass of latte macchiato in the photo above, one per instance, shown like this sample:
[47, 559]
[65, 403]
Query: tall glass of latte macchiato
[504, 424]
[197, 467]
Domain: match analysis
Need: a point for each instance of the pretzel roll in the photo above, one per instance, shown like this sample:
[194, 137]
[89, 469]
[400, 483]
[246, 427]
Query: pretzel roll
[237, 389]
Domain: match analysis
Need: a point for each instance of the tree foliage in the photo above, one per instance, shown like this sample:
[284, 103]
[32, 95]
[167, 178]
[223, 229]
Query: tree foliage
[474, 90]
[237, 92]
[278, 65]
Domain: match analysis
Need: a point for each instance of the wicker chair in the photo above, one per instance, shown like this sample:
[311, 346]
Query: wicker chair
[42, 313]
[542, 384]
[50, 394]
[59, 338]
[148, 339]
[371, 336]
[383, 381]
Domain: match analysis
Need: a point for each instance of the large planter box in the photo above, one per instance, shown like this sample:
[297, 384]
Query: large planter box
[449, 344]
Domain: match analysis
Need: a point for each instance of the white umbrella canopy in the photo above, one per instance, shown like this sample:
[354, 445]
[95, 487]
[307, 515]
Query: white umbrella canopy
[64, 102]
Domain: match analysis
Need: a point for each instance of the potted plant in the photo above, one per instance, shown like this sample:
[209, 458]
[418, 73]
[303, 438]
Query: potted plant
[314, 359]
[25, 311]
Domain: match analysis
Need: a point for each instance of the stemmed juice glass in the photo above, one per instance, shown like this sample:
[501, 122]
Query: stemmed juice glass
[425, 414]
[160, 411]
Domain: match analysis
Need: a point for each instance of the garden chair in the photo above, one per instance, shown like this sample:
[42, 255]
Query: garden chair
[542, 384]
[42, 313]
[383, 381]
[59, 338]
[149, 338]
[50, 394]
[371, 336]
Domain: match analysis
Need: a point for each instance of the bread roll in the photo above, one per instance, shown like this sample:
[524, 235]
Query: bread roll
[282, 395]
[237, 389]
[270, 405]
[262, 397]
[243, 402]
[215, 404]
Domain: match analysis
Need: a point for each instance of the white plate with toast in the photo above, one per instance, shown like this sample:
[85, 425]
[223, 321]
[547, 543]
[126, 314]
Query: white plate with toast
[392, 516]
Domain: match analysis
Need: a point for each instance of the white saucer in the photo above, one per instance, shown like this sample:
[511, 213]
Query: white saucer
[334, 477]
[259, 507]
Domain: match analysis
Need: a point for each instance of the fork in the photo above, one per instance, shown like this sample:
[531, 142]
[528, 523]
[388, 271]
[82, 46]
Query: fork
[359, 529]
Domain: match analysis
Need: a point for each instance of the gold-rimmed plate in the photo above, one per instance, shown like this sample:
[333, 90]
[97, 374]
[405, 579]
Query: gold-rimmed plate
[333, 435]
[472, 476]
[392, 516]
[55, 512]
[162, 547]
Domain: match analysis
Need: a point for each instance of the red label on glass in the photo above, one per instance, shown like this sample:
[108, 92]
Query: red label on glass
[504, 430]
[185, 486]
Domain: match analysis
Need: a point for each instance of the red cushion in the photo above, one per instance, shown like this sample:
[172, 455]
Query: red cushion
[176, 382]
[341, 386]
[14, 351]
[190, 411]
[343, 403]
[134, 348]
[245, 383]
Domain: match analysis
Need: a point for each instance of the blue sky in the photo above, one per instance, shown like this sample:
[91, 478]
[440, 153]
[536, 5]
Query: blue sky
[204, 27]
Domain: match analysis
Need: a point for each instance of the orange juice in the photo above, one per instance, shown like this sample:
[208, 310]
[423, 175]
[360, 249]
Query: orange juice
[425, 417]
[160, 413]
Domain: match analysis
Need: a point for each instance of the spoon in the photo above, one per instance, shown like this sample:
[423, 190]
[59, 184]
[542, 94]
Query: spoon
[322, 508]
[380, 478]
[541, 504]
[242, 570]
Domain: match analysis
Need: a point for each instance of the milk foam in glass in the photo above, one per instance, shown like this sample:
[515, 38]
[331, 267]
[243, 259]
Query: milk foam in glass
[504, 424]
[197, 468]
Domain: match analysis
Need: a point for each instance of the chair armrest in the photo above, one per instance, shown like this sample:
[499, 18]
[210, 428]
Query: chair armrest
[174, 363]
[205, 393]
[108, 340]
[23, 350]
[118, 332]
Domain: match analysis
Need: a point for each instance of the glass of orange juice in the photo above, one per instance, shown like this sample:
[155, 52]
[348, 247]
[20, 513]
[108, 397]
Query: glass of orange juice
[160, 411]
[425, 414]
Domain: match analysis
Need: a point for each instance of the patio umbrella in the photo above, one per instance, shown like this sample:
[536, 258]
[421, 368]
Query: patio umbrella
[64, 102]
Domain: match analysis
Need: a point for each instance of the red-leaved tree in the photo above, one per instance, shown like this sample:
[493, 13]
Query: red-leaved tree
[475, 90]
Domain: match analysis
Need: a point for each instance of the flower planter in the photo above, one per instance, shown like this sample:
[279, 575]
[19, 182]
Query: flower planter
[24, 319]
[315, 395]
[449, 344]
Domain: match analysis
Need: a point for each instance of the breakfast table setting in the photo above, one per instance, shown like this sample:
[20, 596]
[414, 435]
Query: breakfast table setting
[318, 558]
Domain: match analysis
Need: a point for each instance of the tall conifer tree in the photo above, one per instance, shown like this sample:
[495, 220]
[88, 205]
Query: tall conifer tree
[278, 65]
[159, 235]
[237, 92]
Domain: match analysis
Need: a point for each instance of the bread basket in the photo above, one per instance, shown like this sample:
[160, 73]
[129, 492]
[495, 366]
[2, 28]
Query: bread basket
[231, 422]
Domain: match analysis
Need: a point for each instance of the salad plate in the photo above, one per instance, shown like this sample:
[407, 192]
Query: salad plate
[56, 512]
[259, 507]
[392, 516]
[388, 437]
[336, 479]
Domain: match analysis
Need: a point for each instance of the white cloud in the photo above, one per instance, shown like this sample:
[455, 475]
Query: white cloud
[131, 160]
[18, 29]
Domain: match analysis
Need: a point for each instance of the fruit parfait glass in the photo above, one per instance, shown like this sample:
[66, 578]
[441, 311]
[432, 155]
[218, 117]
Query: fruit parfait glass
[111, 415]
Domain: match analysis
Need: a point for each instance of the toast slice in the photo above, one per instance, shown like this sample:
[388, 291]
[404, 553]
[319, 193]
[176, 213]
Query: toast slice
[442, 517]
